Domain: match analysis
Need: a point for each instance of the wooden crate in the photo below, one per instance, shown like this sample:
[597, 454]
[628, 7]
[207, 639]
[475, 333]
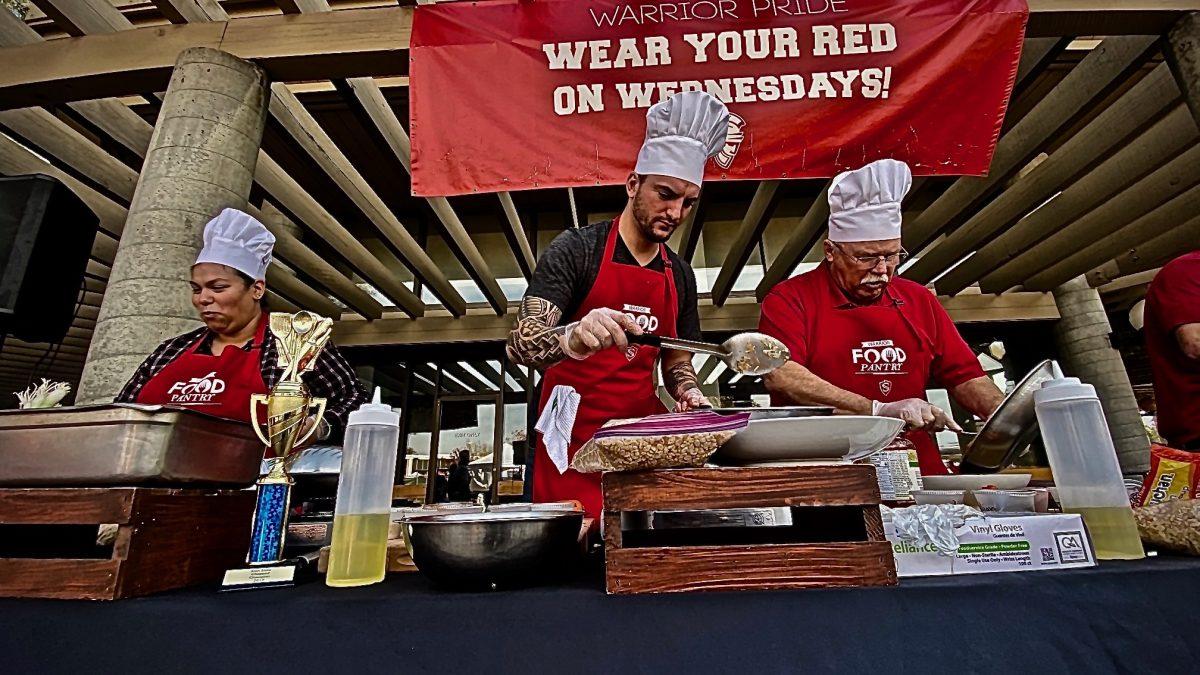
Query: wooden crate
[854, 554]
[165, 539]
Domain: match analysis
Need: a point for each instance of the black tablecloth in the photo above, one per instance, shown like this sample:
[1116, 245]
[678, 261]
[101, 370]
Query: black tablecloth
[1119, 617]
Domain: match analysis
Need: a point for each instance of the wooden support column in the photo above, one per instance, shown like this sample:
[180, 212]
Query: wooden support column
[211, 125]
[1083, 341]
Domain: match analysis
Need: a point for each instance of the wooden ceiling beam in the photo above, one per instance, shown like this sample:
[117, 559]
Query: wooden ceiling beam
[1129, 281]
[73, 153]
[191, 11]
[57, 139]
[17, 160]
[758, 214]
[811, 226]
[304, 129]
[84, 17]
[1159, 200]
[1054, 232]
[278, 303]
[300, 293]
[515, 233]
[1154, 251]
[302, 258]
[370, 99]
[1087, 83]
[347, 43]
[1141, 105]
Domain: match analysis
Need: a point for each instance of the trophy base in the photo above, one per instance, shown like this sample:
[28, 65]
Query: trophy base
[281, 574]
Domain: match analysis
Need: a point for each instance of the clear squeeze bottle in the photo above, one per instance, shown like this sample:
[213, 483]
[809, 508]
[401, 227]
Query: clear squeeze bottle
[1085, 466]
[358, 555]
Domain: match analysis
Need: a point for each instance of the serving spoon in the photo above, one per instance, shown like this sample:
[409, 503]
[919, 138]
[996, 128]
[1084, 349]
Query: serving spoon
[745, 353]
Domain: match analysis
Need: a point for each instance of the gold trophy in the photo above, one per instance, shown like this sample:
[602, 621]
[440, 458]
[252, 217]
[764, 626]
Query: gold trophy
[299, 339]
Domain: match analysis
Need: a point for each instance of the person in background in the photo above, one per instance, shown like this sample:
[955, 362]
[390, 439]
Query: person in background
[607, 279]
[864, 340]
[459, 482]
[1172, 325]
[217, 367]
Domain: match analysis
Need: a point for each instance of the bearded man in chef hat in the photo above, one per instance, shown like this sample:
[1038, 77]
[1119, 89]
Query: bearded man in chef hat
[608, 279]
[864, 340]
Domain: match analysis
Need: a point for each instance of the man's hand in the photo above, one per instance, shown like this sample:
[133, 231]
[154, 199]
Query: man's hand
[691, 400]
[599, 329]
[917, 413]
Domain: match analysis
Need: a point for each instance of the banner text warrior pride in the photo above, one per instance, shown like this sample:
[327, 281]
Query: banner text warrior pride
[510, 95]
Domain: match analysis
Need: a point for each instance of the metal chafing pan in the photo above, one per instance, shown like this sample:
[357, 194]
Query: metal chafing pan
[1010, 429]
[123, 444]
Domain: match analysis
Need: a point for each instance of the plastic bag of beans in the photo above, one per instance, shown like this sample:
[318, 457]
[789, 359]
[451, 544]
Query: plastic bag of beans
[665, 441]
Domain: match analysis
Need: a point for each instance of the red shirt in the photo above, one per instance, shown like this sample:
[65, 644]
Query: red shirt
[1172, 301]
[892, 349]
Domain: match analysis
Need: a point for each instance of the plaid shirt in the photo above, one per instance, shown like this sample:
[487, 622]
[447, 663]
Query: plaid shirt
[331, 378]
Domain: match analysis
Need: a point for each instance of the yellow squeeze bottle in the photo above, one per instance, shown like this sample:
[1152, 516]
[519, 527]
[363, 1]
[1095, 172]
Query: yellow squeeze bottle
[358, 554]
[1086, 470]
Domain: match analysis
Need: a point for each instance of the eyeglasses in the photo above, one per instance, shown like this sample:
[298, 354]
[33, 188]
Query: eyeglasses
[871, 261]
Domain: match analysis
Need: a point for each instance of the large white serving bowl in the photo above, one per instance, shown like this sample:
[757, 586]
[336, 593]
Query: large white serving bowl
[810, 439]
[1002, 481]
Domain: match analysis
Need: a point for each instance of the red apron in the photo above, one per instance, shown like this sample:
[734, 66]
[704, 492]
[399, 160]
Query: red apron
[613, 383]
[877, 352]
[214, 385]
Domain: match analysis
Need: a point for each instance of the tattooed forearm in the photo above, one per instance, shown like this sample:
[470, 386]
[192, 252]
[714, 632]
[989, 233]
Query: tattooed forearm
[679, 376]
[532, 341]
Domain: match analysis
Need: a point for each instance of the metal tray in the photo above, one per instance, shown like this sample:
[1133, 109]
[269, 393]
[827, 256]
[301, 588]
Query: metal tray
[780, 411]
[669, 520]
[122, 445]
[1010, 428]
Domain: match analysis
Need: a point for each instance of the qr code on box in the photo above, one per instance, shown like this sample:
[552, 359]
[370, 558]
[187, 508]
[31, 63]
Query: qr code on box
[1048, 555]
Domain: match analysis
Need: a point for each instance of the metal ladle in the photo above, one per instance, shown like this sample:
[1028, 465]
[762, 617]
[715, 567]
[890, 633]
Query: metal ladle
[745, 353]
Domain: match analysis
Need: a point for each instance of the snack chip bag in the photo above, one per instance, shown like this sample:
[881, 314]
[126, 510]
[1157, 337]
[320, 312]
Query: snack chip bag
[1173, 475]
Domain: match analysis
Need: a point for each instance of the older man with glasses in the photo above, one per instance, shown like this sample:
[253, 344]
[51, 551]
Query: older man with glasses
[863, 340]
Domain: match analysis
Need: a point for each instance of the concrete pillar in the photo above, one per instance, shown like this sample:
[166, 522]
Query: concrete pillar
[1182, 52]
[1082, 335]
[201, 159]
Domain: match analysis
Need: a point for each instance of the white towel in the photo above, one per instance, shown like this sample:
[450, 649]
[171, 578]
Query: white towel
[556, 422]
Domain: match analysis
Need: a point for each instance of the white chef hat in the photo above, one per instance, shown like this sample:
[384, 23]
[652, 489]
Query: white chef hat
[682, 132]
[237, 239]
[864, 204]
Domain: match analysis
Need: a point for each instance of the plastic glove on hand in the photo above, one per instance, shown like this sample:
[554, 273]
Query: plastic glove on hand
[692, 399]
[599, 329]
[919, 414]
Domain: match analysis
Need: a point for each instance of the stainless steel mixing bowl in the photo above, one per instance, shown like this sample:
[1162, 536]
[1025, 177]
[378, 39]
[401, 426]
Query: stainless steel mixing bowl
[492, 550]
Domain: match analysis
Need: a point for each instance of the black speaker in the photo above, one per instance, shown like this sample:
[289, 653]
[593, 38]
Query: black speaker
[46, 235]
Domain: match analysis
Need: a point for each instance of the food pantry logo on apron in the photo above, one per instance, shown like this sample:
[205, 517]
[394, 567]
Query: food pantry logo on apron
[197, 390]
[879, 357]
[645, 320]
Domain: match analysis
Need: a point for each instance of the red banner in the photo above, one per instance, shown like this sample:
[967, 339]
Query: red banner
[519, 94]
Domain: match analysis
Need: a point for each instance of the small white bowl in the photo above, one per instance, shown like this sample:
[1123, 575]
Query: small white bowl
[1001, 481]
[938, 496]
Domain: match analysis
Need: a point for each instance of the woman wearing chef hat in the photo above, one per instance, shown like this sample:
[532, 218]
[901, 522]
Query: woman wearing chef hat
[216, 368]
[862, 339]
